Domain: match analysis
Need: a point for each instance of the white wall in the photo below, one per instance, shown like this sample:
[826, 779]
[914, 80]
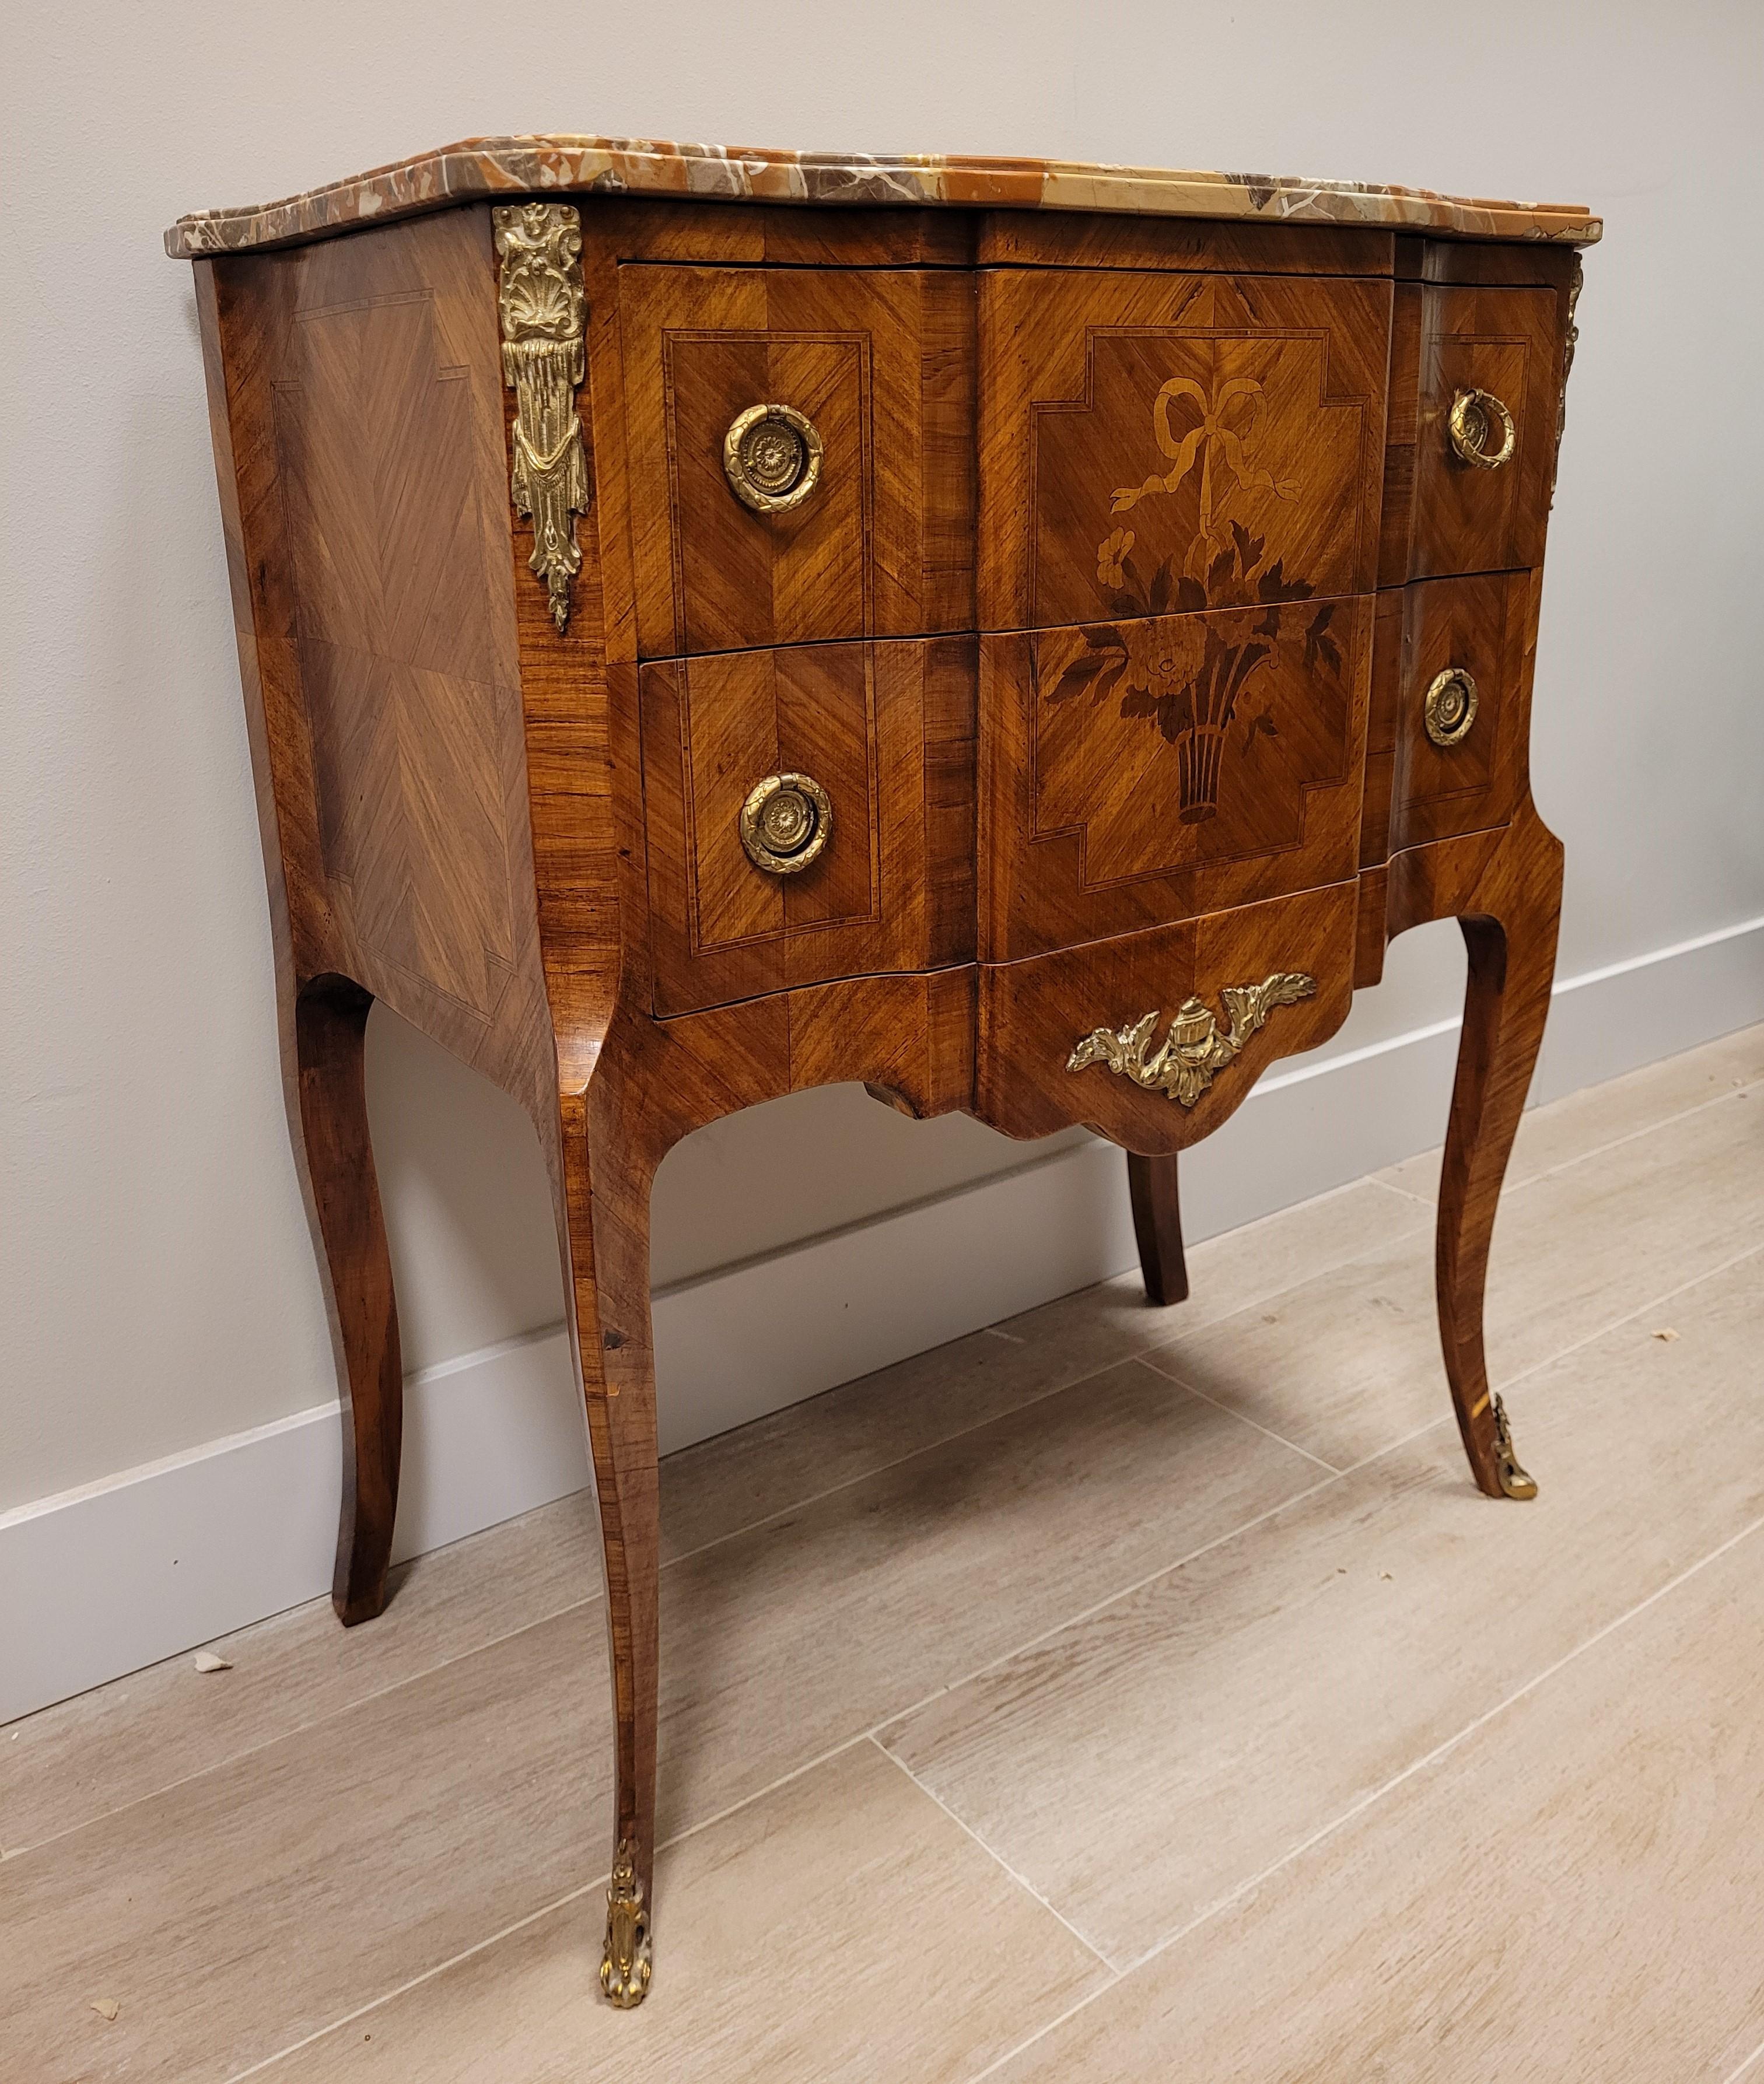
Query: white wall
[156, 1287]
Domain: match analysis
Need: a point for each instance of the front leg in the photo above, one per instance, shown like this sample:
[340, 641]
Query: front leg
[605, 1237]
[1509, 912]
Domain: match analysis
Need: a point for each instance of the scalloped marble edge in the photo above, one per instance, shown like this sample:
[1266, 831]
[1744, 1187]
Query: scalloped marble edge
[606, 166]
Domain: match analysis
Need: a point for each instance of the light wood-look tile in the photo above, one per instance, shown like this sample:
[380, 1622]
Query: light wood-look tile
[1233, 1271]
[84, 1757]
[780, 1643]
[64, 1766]
[1582, 1122]
[235, 1913]
[1143, 1764]
[266, 1898]
[1573, 1892]
[841, 1927]
[1349, 1362]
[726, 1484]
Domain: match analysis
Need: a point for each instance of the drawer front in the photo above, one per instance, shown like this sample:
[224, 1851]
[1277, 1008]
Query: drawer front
[1155, 1039]
[1138, 773]
[1499, 351]
[1450, 776]
[1152, 442]
[873, 369]
[881, 879]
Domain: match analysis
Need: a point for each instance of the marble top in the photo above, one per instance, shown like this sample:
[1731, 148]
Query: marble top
[607, 165]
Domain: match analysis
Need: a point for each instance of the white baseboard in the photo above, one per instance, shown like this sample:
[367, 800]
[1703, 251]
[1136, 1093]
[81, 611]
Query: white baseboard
[101, 1581]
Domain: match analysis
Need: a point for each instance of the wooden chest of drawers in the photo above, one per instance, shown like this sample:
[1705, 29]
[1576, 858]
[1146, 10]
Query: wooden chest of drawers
[1023, 637]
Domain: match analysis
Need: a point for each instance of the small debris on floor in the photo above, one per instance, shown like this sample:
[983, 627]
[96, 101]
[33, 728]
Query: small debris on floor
[1386, 1575]
[206, 1660]
[1666, 1334]
[105, 2007]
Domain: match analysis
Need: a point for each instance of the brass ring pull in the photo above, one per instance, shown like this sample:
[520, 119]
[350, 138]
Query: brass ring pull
[1450, 708]
[785, 822]
[1475, 415]
[771, 456]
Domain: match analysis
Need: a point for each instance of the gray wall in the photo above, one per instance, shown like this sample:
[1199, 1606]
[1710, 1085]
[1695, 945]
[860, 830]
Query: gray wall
[156, 1288]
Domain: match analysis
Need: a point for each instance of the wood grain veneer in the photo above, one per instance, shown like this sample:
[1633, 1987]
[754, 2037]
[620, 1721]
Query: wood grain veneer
[1108, 634]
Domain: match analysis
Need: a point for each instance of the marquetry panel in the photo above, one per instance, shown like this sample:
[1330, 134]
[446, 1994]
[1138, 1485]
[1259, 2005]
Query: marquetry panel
[1154, 442]
[881, 362]
[886, 730]
[1442, 515]
[1034, 1013]
[1135, 772]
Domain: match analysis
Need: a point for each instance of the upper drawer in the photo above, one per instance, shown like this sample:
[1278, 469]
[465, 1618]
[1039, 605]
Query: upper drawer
[1470, 493]
[1152, 442]
[858, 513]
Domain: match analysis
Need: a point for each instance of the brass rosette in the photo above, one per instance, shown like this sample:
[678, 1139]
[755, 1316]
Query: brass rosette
[785, 823]
[771, 456]
[1450, 708]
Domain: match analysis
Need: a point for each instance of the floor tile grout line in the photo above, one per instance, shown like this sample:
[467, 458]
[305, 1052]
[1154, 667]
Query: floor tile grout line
[997, 1858]
[545, 1910]
[1041, 2033]
[1136, 1353]
[1406, 1193]
[1369, 1802]
[1459, 1737]
[415, 1982]
[1733, 2076]
[1580, 1157]
[1633, 1135]
[1124, 1592]
[1243, 1417]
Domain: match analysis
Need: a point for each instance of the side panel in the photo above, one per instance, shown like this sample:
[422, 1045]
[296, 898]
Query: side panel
[363, 393]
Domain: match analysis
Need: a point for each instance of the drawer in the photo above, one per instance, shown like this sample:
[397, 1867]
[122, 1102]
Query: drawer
[846, 510]
[1463, 705]
[859, 861]
[1472, 495]
[1155, 1038]
[1154, 442]
[1138, 773]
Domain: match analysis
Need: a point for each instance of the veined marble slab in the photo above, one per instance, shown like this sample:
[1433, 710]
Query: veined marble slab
[607, 165]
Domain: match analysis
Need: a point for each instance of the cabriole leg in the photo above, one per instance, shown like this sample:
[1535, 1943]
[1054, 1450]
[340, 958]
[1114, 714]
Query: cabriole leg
[606, 1248]
[330, 1023]
[1511, 945]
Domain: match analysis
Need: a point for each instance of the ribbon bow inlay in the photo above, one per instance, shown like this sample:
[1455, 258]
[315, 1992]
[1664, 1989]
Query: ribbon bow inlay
[1230, 422]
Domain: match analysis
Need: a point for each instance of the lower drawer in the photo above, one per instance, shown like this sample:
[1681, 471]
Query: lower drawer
[1154, 1038]
[809, 815]
[1451, 707]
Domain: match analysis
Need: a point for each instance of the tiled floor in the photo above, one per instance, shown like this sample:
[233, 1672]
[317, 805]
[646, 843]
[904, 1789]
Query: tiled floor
[1123, 1694]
